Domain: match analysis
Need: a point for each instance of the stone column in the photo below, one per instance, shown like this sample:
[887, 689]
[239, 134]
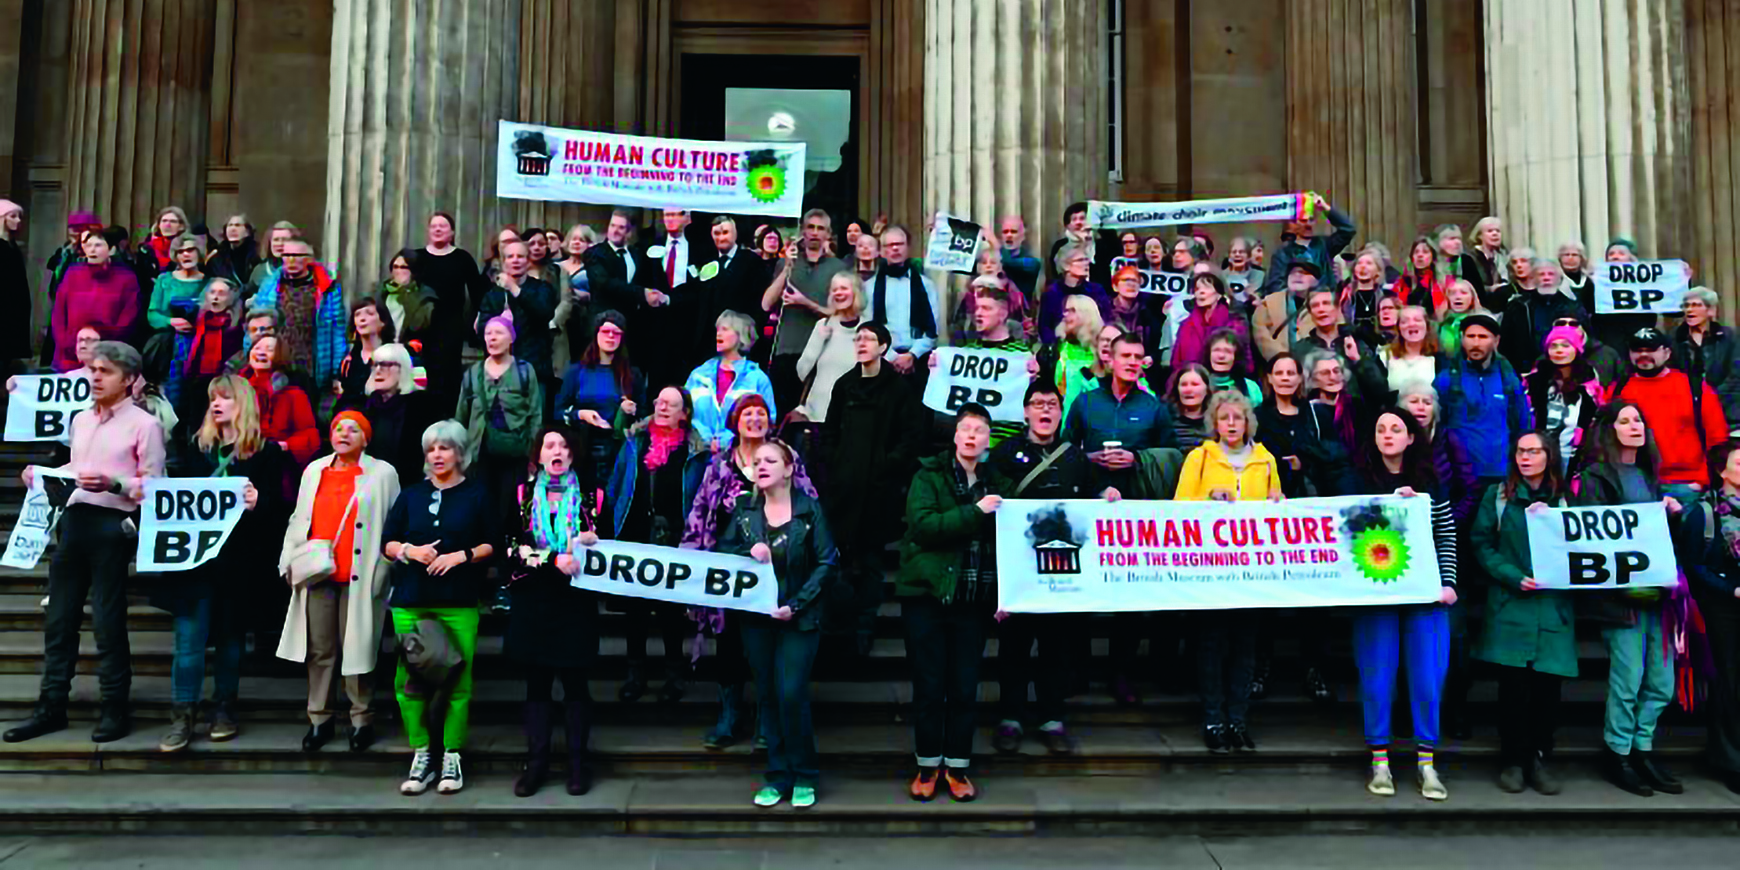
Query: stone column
[1589, 123]
[415, 96]
[1014, 109]
[1714, 28]
[139, 73]
[1351, 119]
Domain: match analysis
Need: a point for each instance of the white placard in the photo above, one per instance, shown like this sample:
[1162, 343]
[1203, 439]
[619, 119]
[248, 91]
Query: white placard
[697, 578]
[1615, 547]
[41, 408]
[954, 244]
[186, 520]
[1641, 287]
[43, 503]
[996, 379]
[1129, 215]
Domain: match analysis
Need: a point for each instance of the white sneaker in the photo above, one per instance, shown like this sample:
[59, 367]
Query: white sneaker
[452, 777]
[422, 773]
[1382, 783]
[1431, 787]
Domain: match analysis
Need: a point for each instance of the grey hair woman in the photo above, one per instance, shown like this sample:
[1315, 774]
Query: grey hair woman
[733, 336]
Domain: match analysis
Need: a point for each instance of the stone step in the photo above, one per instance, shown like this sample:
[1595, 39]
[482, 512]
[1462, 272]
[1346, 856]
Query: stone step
[1191, 801]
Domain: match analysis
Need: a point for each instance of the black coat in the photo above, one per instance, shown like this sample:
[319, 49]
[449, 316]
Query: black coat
[242, 580]
[1527, 320]
[552, 624]
[1713, 363]
[872, 439]
[607, 275]
[14, 303]
[810, 558]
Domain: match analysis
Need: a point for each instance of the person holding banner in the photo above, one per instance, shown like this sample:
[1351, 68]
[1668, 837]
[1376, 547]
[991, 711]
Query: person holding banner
[715, 386]
[1398, 459]
[1530, 631]
[1301, 244]
[947, 588]
[1614, 328]
[782, 525]
[1618, 467]
[1230, 466]
[439, 535]
[1019, 263]
[1707, 350]
[115, 446]
[553, 633]
[336, 607]
[214, 602]
[1715, 576]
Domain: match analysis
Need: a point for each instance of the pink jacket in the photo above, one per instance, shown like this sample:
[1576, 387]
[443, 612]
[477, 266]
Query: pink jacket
[104, 297]
[1191, 346]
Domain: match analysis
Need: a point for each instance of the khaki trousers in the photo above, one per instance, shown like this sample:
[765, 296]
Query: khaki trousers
[327, 606]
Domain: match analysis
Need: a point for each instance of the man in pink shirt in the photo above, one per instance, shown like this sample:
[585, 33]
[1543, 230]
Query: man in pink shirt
[115, 446]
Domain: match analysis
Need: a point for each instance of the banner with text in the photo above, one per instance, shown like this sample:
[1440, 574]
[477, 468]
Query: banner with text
[996, 379]
[562, 165]
[41, 408]
[1153, 281]
[697, 578]
[1129, 215]
[1082, 556]
[953, 244]
[43, 503]
[1641, 287]
[186, 520]
[1602, 547]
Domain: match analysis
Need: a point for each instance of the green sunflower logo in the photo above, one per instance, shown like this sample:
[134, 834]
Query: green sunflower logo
[766, 183]
[1381, 554]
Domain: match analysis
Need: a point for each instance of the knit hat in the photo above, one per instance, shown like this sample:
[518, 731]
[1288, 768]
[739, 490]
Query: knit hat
[612, 316]
[1487, 321]
[7, 207]
[78, 220]
[1569, 334]
[357, 418]
[1623, 242]
[506, 323]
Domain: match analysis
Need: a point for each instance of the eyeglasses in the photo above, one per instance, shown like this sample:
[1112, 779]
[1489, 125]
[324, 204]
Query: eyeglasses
[1531, 451]
[1045, 405]
[1567, 321]
[385, 365]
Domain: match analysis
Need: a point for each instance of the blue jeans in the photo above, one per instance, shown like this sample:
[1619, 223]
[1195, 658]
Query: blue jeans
[1382, 638]
[193, 628]
[782, 657]
[1640, 683]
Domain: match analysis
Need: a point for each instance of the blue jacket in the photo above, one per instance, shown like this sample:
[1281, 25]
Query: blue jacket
[1141, 421]
[710, 412]
[331, 320]
[1487, 407]
[619, 493]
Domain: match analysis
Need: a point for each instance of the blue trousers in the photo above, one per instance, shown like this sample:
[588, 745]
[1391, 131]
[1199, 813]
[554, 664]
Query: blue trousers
[1381, 636]
[194, 628]
[782, 657]
[1640, 683]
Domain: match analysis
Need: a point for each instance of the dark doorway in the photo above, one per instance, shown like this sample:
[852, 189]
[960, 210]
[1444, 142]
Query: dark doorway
[812, 98]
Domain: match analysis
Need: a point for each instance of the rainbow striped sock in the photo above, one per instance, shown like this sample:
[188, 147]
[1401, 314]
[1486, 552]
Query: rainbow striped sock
[1425, 756]
[1380, 757]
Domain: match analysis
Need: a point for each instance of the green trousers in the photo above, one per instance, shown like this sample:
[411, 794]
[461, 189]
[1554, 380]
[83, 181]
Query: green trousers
[461, 624]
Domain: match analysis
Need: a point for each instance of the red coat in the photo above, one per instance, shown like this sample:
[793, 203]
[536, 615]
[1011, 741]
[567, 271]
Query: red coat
[1191, 345]
[286, 415]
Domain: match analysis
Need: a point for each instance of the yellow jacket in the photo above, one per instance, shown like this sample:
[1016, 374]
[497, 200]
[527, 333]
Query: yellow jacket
[1206, 469]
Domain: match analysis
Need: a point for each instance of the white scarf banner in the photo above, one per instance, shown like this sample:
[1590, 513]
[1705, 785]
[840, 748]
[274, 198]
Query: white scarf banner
[1082, 556]
[1616, 547]
[1129, 215]
[41, 408]
[1641, 287]
[43, 504]
[697, 578]
[562, 165]
[186, 520]
[996, 379]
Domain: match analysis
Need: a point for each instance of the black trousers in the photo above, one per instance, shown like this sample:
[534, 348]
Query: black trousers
[1528, 701]
[946, 645]
[1049, 671]
[90, 560]
[1722, 712]
[1226, 657]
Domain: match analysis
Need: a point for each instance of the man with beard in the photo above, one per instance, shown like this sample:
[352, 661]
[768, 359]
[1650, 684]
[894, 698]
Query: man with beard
[1685, 419]
[1483, 399]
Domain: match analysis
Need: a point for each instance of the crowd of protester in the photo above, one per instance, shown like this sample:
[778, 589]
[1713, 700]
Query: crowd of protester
[448, 441]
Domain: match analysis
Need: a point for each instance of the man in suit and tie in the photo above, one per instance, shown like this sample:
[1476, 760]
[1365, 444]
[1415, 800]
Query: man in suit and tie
[729, 281]
[680, 251]
[619, 276]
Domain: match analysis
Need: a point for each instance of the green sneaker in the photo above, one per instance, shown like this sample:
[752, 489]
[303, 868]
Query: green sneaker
[769, 796]
[803, 797]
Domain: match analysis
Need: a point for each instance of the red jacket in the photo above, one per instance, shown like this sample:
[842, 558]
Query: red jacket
[286, 415]
[1666, 402]
[1191, 345]
[105, 298]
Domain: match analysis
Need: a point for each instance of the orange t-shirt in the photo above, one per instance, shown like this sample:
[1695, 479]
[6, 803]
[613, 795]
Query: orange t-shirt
[331, 501]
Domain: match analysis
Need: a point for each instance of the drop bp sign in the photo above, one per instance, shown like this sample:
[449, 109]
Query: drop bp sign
[696, 578]
[185, 521]
[41, 408]
[1616, 547]
[996, 379]
[1641, 287]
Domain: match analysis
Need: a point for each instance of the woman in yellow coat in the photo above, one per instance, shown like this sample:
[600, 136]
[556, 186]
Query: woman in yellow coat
[1230, 466]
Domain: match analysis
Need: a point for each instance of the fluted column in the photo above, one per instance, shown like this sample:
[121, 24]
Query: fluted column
[1351, 119]
[415, 95]
[1589, 122]
[139, 73]
[1014, 108]
[566, 79]
[1714, 29]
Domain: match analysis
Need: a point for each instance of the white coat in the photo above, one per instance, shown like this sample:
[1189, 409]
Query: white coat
[377, 489]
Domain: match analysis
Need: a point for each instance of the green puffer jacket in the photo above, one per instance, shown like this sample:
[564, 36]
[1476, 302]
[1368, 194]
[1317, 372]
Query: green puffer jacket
[939, 526]
[1523, 629]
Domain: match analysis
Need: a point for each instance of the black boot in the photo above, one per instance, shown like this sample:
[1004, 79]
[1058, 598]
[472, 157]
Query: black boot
[48, 718]
[537, 769]
[634, 687]
[114, 723]
[1620, 772]
[731, 718]
[1652, 773]
[578, 729]
[676, 684]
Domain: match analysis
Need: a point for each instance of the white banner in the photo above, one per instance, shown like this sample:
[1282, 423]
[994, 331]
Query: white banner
[1170, 283]
[954, 243]
[186, 520]
[42, 407]
[562, 165]
[1642, 287]
[996, 379]
[1129, 215]
[42, 507]
[697, 578]
[1082, 556]
[1602, 547]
